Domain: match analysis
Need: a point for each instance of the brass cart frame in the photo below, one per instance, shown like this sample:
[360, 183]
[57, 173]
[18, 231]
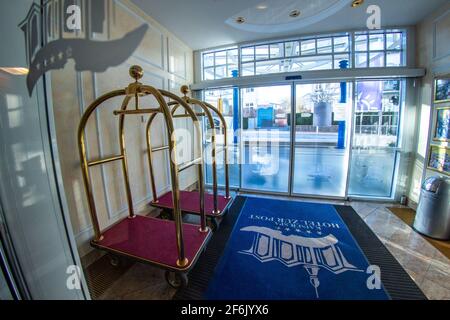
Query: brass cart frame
[136, 90]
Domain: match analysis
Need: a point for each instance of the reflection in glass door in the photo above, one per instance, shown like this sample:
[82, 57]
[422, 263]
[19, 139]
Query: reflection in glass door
[322, 125]
[266, 138]
[224, 100]
[375, 139]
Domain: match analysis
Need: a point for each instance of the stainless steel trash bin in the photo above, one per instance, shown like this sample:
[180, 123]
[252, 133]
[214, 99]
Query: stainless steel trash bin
[433, 213]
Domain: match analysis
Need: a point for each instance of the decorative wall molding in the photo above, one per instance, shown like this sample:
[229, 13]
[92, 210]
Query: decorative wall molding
[171, 44]
[437, 56]
[441, 70]
[105, 178]
[160, 64]
[100, 147]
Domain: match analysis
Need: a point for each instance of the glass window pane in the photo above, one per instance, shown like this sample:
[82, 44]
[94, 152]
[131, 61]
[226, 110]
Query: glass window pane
[301, 64]
[276, 50]
[262, 52]
[265, 138]
[361, 60]
[324, 45]
[341, 44]
[248, 69]
[361, 42]
[208, 59]
[371, 172]
[320, 154]
[393, 59]
[376, 42]
[220, 58]
[376, 59]
[266, 67]
[393, 41]
[208, 73]
[322, 63]
[308, 63]
[375, 138]
[248, 54]
[343, 59]
[232, 56]
[308, 47]
[292, 48]
[220, 72]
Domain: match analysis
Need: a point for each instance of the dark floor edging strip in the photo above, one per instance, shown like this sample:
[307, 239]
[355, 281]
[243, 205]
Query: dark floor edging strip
[395, 279]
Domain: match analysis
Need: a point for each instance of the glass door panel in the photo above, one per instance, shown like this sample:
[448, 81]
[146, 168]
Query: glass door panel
[322, 125]
[375, 139]
[225, 100]
[266, 138]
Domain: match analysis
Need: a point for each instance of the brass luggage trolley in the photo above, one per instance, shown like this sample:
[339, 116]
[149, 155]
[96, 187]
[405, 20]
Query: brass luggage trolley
[172, 245]
[215, 205]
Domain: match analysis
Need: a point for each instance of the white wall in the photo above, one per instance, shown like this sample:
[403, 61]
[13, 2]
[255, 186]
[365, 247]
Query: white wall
[433, 53]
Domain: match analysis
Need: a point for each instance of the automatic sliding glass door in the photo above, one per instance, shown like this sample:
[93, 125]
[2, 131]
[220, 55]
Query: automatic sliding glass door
[323, 114]
[315, 156]
[266, 138]
[375, 139]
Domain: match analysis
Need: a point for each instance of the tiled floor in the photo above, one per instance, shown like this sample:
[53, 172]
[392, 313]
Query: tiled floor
[429, 268]
[425, 264]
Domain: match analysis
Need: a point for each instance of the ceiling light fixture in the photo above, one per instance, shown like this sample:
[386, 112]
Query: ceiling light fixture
[357, 3]
[261, 7]
[15, 71]
[240, 20]
[294, 13]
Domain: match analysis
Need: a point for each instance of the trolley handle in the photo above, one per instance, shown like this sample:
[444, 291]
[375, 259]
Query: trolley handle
[104, 160]
[189, 164]
[160, 148]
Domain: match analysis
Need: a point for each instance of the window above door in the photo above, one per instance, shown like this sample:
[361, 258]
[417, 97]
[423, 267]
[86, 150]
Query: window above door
[362, 49]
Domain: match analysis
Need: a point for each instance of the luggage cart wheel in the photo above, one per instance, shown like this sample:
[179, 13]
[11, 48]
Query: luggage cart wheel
[166, 214]
[176, 279]
[115, 261]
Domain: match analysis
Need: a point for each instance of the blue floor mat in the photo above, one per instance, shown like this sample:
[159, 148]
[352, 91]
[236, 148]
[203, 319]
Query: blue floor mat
[292, 250]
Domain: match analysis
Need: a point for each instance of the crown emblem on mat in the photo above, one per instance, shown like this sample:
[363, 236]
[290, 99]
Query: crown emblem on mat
[293, 250]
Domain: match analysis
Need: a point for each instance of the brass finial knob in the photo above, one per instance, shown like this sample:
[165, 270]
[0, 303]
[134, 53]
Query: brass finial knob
[184, 89]
[136, 72]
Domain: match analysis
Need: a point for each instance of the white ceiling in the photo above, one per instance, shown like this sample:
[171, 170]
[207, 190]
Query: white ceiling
[210, 23]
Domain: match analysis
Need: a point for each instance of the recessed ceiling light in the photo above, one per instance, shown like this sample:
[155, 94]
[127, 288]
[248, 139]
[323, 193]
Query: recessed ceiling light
[240, 20]
[261, 7]
[294, 13]
[357, 3]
